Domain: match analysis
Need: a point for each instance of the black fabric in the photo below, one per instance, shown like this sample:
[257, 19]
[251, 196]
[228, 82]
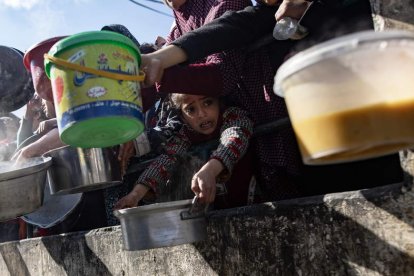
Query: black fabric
[117, 28]
[233, 29]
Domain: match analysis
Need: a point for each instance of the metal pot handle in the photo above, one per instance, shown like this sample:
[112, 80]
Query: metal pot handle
[196, 210]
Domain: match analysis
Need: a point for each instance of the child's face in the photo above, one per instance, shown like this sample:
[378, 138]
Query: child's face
[201, 113]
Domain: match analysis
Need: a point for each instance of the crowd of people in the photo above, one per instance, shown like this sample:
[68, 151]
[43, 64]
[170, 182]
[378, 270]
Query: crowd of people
[212, 79]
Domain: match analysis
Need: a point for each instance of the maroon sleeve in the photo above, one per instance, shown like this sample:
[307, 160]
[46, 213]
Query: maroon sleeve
[196, 79]
[149, 97]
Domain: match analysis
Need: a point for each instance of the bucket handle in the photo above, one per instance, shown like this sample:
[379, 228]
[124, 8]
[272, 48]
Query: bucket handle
[106, 74]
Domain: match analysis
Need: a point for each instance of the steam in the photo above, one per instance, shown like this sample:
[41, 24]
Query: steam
[9, 166]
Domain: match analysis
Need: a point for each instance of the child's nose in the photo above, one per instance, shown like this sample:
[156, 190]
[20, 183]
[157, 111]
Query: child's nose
[202, 112]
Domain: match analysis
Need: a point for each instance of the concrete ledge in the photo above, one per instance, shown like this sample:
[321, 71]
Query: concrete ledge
[368, 232]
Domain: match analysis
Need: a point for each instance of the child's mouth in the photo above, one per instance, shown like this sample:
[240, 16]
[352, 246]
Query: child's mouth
[206, 125]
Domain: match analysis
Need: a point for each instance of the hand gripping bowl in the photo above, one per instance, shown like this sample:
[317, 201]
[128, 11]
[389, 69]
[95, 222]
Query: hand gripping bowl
[21, 190]
[351, 98]
[76, 170]
[161, 224]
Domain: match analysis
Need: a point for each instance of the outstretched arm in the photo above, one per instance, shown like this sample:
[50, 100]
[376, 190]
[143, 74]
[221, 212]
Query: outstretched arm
[235, 134]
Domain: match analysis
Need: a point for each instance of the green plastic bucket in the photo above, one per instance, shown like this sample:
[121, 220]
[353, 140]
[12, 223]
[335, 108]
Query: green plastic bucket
[96, 91]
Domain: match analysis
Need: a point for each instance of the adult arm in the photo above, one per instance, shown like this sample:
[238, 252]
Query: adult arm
[47, 142]
[232, 30]
[25, 130]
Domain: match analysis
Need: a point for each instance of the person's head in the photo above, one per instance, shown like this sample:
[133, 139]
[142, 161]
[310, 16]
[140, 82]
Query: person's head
[34, 62]
[174, 4]
[147, 48]
[160, 42]
[200, 112]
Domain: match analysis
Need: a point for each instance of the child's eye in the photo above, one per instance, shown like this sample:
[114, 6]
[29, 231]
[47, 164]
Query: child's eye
[208, 102]
[189, 110]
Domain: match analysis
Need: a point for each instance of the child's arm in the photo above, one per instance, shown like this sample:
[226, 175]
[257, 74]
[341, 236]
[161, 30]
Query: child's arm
[158, 172]
[235, 134]
[132, 199]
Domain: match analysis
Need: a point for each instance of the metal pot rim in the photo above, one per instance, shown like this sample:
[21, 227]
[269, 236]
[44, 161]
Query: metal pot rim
[47, 161]
[156, 207]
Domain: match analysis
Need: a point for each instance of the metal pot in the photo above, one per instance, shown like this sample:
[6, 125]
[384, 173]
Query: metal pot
[21, 190]
[161, 224]
[77, 170]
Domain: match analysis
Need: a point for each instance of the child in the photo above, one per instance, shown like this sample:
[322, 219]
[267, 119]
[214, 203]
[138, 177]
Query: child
[204, 119]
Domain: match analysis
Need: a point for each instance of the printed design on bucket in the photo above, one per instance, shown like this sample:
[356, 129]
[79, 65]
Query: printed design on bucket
[84, 99]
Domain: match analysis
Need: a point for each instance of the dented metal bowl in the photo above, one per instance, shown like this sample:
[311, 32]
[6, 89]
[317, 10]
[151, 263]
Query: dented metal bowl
[21, 189]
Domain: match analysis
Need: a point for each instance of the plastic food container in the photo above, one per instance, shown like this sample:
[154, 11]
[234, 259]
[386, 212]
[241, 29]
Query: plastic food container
[351, 98]
[95, 81]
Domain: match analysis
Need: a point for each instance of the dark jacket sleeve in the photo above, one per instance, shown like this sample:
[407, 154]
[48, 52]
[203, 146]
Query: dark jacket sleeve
[325, 19]
[233, 29]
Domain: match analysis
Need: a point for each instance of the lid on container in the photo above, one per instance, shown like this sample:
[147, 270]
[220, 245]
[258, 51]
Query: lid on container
[91, 36]
[16, 87]
[332, 48]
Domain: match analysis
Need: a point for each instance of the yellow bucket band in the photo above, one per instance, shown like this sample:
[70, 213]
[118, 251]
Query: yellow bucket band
[106, 74]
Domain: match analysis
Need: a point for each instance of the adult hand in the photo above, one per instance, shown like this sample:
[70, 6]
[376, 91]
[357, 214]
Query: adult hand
[47, 142]
[126, 151]
[23, 154]
[33, 107]
[203, 183]
[151, 65]
[155, 63]
[132, 199]
[46, 126]
[292, 8]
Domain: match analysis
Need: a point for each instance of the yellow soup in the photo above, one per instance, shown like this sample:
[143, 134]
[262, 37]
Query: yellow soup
[355, 134]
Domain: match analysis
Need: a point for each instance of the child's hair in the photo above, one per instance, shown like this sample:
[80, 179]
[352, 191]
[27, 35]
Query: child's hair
[147, 48]
[176, 100]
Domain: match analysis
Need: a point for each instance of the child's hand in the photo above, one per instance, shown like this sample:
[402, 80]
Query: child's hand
[132, 199]
[203, 183]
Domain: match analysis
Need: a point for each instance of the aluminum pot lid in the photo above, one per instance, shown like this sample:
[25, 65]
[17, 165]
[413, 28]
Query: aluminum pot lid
[54, 210]
[156, 207]
[16, 87]
[333, 48]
